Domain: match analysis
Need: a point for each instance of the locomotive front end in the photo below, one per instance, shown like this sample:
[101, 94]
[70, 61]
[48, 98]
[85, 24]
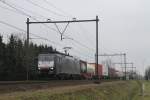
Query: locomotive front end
[46, 64]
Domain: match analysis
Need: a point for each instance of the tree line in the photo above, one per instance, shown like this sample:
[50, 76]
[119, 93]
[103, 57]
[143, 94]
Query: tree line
[14, 58]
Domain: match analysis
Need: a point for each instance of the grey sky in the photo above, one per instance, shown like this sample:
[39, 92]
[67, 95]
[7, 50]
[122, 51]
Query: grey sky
[124, 25]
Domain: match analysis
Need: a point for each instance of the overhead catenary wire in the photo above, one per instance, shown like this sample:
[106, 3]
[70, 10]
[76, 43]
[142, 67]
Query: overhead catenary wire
[83, 45]
[69, 16]
[8, 9]
[12, 26]
[84, 31]
[60, 10]
[81, 55]
[17, 28]
[79, 43]
[67, 24]
[63, 30]
[30, 11]
[89, 39]
[24, 13]
[46, 9]
[82, 35]
[37, 20]
[20, 11]
[79, 51]
[11, 10]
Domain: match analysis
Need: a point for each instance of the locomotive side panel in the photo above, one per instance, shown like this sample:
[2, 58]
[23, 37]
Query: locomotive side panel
[67, 65]
[83, 66]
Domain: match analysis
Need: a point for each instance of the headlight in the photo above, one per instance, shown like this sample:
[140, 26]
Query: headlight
[51, 68]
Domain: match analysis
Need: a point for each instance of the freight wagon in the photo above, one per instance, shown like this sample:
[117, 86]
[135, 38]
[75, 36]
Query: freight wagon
[93, 70]
[90, 71]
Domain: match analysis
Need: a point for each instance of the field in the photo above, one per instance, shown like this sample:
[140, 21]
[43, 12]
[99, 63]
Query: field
[117, 90]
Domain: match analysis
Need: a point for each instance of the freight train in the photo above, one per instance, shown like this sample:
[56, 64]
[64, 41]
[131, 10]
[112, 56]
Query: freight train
[62, 66]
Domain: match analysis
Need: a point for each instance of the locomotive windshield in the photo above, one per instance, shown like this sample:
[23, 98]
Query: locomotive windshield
[45, 61]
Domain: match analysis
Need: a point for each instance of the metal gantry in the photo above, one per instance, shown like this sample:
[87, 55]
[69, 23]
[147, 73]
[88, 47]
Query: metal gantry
[118, 54]
[128, 63]
[69, 21]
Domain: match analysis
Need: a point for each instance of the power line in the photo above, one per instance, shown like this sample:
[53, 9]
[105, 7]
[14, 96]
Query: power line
[88, 38]
[52, 5]
[48, 2]
[46, 9]
[70, 21]
[82, 35]
[12, 26]
[36, 20]
[79, 51]
[79, 43]
[82, 45]
[21, 12]
[30, 33]
[7, 9]
[32, 12]
[82, 55]
[85, 31]
[25, 14]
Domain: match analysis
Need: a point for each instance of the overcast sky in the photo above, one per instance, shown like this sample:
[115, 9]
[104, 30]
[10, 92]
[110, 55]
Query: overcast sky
[123, 27]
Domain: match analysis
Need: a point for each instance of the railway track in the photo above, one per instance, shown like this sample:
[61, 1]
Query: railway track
[20, 82]
[15, 86]
[3, 83]
[43, 82]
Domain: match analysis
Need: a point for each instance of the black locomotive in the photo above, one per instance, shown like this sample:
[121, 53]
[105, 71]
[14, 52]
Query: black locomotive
[61, 66]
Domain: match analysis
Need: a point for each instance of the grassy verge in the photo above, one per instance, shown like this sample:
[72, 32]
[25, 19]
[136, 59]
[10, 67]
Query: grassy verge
[146, 95]
[121, 90]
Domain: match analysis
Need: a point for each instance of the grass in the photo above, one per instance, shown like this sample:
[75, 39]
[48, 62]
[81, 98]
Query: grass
[121, 90]
[146, 95]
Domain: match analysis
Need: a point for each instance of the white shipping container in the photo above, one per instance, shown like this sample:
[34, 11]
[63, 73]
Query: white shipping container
[90, 68]
[120, 73]
[104, 69]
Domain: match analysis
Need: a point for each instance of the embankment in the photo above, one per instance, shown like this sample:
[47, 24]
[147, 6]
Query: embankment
[117, 90]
